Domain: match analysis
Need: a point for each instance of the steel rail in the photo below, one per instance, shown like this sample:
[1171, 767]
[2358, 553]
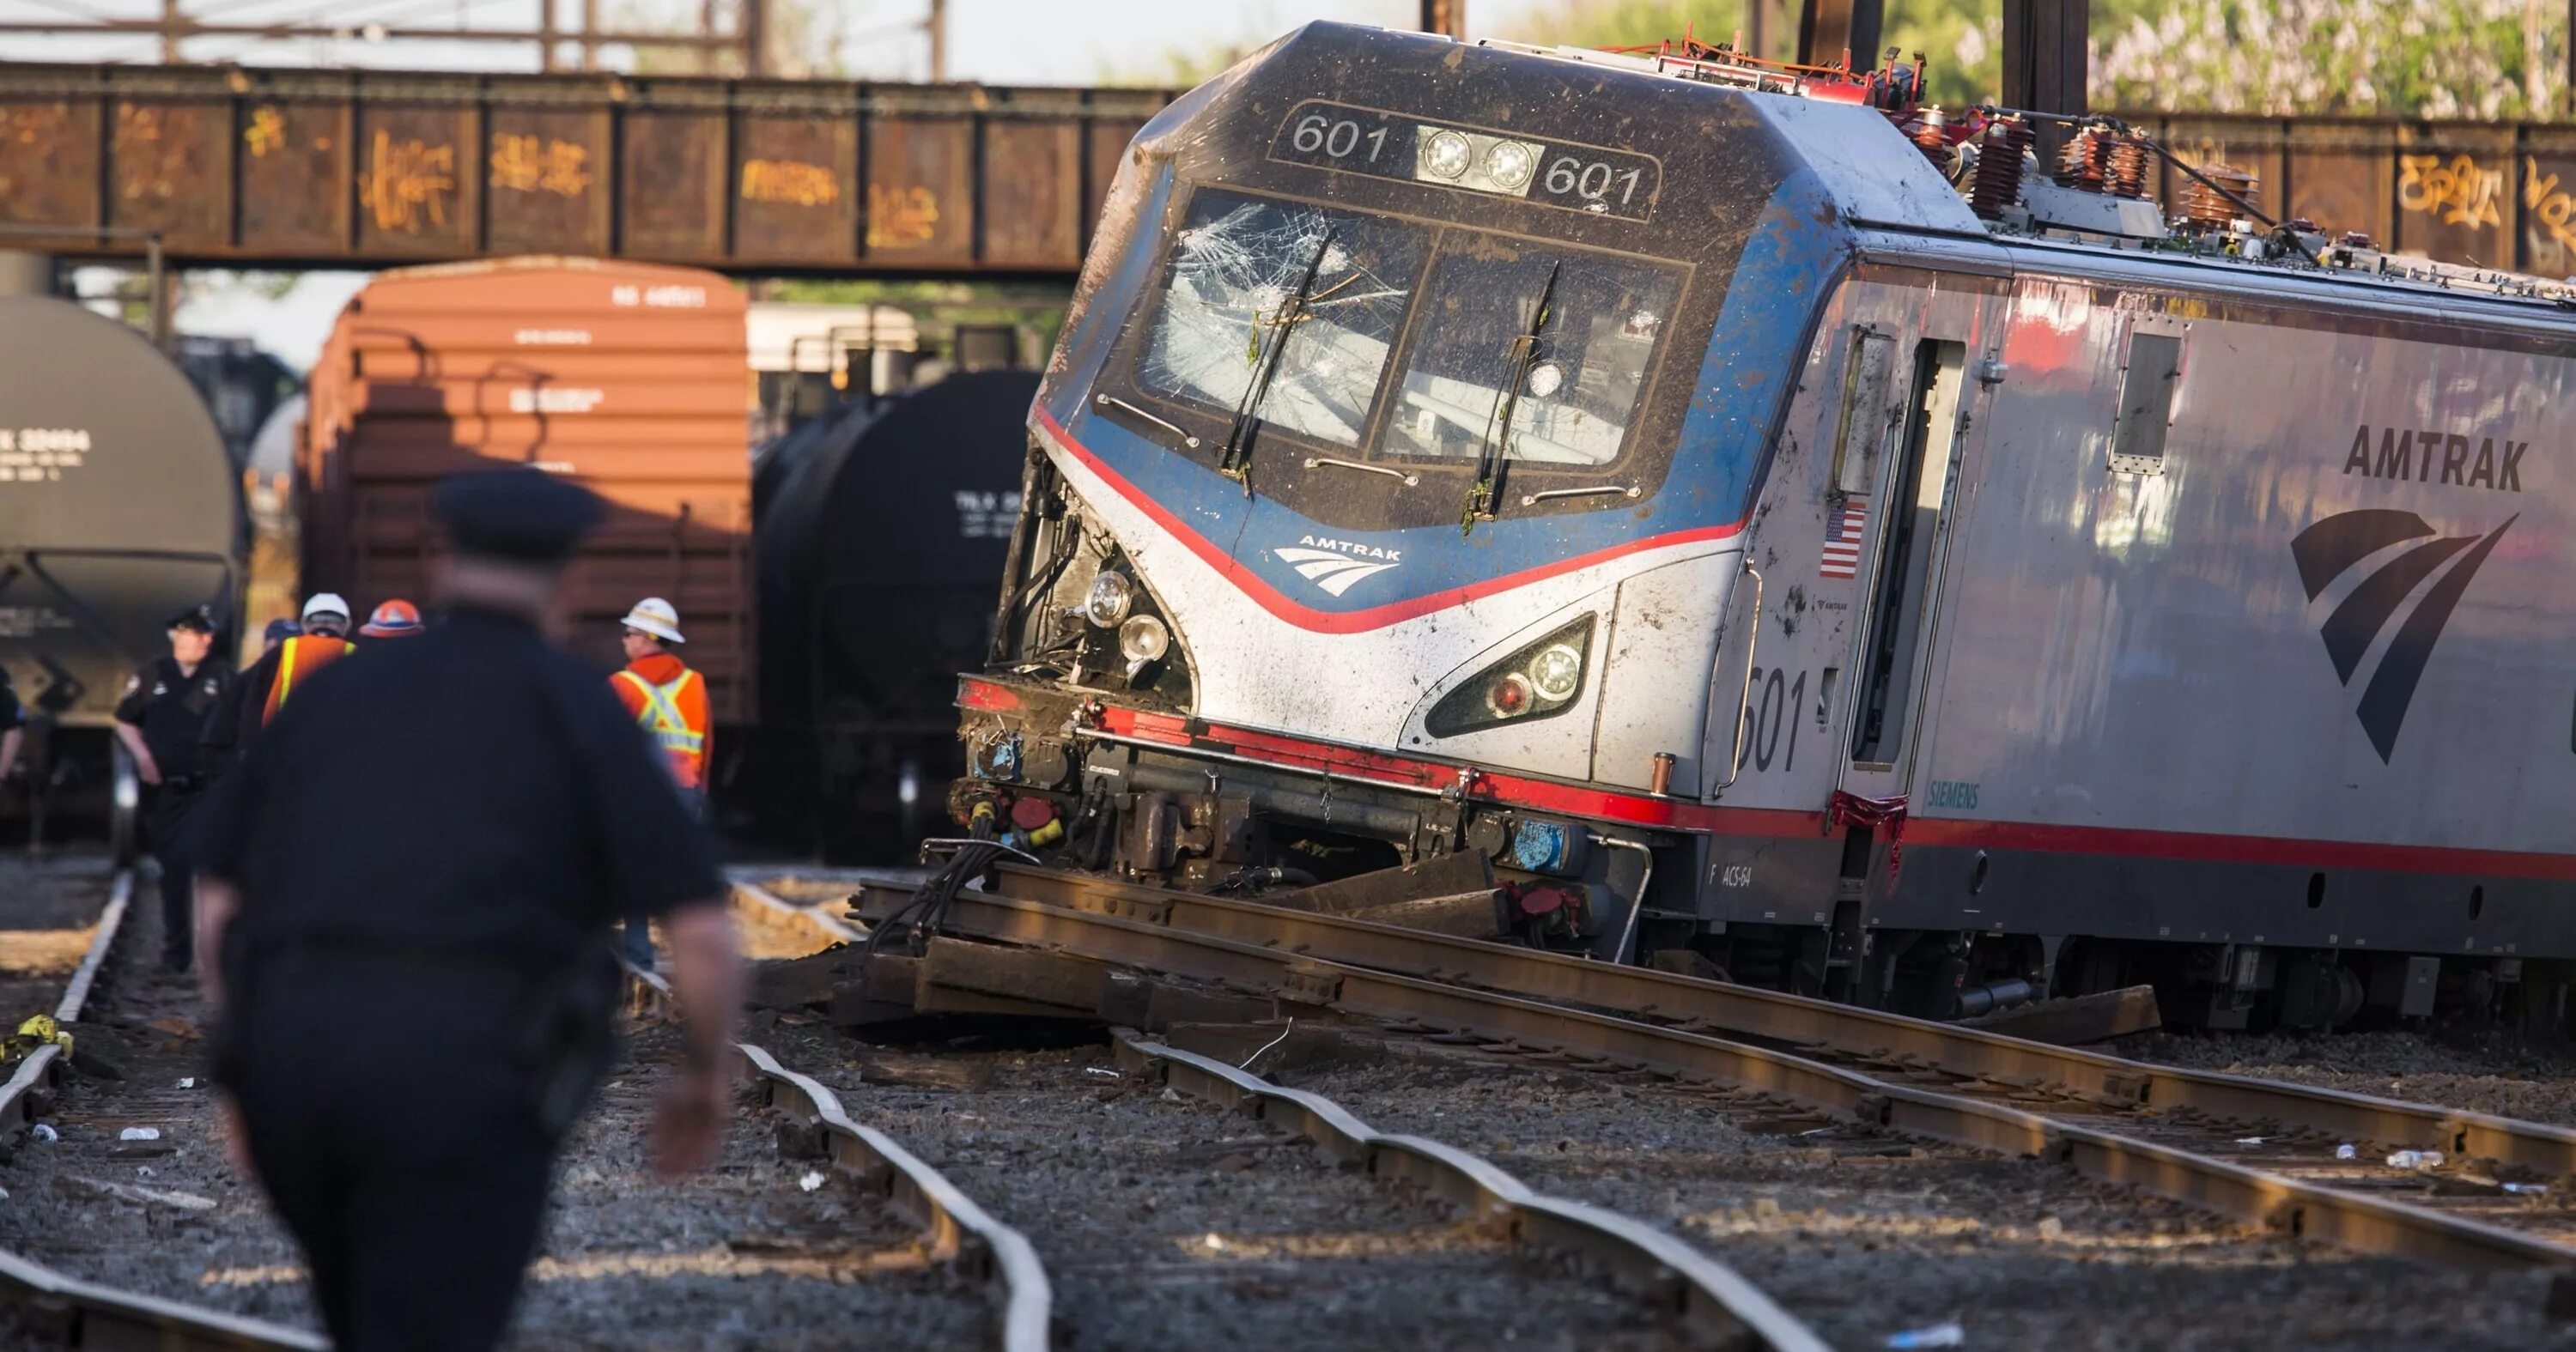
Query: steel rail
[1799, 1021]
[1707, 1299]
[88, 1314]
[957, 1230]
[2352, 1220]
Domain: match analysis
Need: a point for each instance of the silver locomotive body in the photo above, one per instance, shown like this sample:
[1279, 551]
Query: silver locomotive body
[1791, 571]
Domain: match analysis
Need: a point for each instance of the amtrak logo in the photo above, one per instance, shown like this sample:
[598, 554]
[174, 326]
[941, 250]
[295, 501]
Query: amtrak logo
[1337, 565]
[2332, 547]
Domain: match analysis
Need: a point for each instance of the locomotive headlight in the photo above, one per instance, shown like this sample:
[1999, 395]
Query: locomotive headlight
[1109, 600]
[1509, 164]
[1539, 680]
[1557, 672]
[1143, 639]
[1446, 154]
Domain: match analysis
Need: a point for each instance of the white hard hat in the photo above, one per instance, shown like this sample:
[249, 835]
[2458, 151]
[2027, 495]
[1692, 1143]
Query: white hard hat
[325, 603]
[654, 616]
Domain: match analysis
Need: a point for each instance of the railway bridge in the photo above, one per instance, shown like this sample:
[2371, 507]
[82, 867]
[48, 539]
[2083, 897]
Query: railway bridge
[363, 169]
[368, 168]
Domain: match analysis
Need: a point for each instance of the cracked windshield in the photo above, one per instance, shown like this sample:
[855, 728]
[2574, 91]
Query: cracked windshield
[1579, 382]
[1235, 267]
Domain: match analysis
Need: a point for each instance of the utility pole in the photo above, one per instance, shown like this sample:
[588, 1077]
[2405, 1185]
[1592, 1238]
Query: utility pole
[1449, 17]
[170, 28]
[755, 37]
[935, 27]
[589, 31]
[2044, 60]
[546, 36]
[1829, 28]
[2045, 66]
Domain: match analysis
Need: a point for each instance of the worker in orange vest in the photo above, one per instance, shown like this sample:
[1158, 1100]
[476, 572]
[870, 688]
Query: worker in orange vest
[273, 679]
[668, 701]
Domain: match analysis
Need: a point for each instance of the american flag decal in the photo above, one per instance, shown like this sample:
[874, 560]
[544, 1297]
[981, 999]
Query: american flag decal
[1842, 539]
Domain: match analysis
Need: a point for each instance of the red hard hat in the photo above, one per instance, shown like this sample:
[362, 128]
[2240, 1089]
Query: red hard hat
[393, 619]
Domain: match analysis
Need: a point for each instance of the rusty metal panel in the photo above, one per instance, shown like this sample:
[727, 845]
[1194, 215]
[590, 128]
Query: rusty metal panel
[49, 149]
[419, 191]
[297, 153]
[173, 170]
[796, 180]
[2547, 192]
[1108, 138]
[674, 168]
[2454, 193]
[1033, 192]
[921, 189]
[545, 179]
[2343, 177]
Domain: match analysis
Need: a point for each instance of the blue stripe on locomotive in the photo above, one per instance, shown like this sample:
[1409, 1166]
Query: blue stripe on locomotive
[1750, 365]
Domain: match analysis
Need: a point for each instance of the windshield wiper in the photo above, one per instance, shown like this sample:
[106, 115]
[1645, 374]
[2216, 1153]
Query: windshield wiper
[1494, 449]
[1234, 459]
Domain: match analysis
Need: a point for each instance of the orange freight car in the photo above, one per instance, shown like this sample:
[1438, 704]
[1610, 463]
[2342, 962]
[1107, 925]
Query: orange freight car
[628, 377]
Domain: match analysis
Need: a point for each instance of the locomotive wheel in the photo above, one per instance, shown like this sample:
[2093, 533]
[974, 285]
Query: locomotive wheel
[2318, 992]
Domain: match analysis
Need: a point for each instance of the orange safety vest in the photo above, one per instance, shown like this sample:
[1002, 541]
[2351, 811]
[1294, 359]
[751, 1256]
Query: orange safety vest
[302, 656]
[674, 713]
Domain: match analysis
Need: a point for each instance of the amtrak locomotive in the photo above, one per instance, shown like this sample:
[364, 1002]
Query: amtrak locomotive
[1795, 534]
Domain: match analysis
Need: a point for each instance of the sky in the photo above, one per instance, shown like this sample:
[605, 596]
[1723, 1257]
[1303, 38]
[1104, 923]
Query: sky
[993, 41]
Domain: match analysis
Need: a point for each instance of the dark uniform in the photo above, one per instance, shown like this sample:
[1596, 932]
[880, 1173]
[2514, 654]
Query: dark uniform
[171, 709]
[430, 843]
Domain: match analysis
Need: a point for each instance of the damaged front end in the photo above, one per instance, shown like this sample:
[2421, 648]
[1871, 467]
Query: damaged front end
[1081, 750]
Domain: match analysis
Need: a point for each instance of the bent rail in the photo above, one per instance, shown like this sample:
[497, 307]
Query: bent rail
[957, 1229]
[1801, 1022]
[1708, 1298]
[2352, 1220]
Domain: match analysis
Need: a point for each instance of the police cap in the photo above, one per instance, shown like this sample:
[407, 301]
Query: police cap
[198, 617]
[525, 515]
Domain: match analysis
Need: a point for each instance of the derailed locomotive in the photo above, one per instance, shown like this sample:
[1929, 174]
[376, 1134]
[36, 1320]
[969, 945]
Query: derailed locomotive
[1759, 544]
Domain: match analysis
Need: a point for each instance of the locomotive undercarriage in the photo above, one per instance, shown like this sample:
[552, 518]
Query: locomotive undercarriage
[1052, 773]
[1048, 777]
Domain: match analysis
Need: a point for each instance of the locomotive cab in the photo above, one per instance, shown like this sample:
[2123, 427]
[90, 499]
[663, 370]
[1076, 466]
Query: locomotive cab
[1388, 489]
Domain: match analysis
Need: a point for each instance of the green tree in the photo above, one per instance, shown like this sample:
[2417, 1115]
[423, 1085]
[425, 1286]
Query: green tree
[2486, 59]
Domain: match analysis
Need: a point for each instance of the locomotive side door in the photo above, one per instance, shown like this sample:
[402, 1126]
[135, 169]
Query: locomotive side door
[1903, 557]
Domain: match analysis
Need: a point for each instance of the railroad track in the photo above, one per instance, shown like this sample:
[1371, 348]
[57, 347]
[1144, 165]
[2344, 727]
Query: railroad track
[71, 1311]
[49, 1307]
[2259, 1151]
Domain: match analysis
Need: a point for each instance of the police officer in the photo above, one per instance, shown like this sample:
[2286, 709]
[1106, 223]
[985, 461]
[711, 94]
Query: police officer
[162, 717]
[404, 915]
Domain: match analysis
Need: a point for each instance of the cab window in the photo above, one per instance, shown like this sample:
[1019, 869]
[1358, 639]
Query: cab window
[1235, 268]
[1574, 332]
